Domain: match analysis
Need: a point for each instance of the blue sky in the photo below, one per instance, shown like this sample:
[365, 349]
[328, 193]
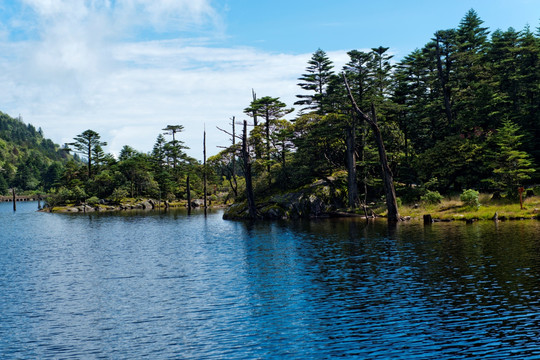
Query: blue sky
[128, 68]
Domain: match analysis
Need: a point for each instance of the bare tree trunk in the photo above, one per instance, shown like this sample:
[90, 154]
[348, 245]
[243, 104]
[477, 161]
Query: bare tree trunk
[351, 167]
[247, 172]
[188, 195]
[391, 203]
[204, 172]
[235, 187]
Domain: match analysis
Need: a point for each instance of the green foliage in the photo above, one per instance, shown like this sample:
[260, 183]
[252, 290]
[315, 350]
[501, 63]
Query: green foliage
[469, 198]
[118, 195]
[92, 201]
[511, 166]
[432, 197]
[315, 81]
[457, 162]
[26, 156]
[3, 186]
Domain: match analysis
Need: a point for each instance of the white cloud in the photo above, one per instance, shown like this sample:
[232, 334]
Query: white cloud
[79, 75]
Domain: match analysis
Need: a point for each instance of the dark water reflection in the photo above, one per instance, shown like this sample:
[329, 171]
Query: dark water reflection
[171, 286]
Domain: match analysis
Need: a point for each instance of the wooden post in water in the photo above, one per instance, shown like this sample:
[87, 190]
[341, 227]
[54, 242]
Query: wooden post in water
[188, 196]
[14, 199]
[204, 170]
[39, 202]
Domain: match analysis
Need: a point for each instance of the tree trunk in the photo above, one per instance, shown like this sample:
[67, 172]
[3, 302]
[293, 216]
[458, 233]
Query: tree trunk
[235, 187]
[443, 82]
[204, 172]
[188, 195]
[351, 167]
[267, 125]
[247, 172]
[388, 178]
[391, 203]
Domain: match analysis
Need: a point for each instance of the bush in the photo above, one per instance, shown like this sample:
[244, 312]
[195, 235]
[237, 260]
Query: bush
[470, 198]
[92, 201]
[432, 197]
[118, 195]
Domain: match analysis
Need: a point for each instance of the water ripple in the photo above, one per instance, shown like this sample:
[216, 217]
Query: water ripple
[149, 285]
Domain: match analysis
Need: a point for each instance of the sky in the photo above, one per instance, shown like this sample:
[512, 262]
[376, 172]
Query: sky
[129, 68]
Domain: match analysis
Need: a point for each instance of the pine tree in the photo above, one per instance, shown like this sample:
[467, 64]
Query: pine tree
[316, 80]
[511, 166]
[85, 144]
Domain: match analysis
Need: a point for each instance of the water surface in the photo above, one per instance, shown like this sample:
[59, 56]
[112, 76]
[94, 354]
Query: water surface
[165, 285]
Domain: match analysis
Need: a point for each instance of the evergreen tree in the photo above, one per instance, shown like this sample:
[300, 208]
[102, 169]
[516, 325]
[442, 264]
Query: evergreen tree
[3, 185]
[270, 109]
[315, 80]
[511, 167]
[472, 81]
[86, 144]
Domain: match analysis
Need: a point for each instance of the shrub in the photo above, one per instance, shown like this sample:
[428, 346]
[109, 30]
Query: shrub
[470, 198]
[431, 197]
[92, 201]
[118, 195]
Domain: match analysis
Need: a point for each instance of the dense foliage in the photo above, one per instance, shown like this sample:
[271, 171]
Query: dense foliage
[462, 112]
[28, 161]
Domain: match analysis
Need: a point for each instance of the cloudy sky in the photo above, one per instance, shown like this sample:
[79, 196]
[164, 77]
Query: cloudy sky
[128, 68]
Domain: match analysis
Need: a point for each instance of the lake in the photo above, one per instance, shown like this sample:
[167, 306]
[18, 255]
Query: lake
[168, 285]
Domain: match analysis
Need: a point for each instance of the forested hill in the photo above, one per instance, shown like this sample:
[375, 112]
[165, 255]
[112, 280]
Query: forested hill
[28, 161]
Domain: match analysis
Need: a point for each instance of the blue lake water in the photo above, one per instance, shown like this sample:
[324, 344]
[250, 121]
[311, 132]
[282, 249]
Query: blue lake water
[167, 285]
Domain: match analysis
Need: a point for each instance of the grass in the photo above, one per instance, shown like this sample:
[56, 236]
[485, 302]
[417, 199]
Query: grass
[453, 209]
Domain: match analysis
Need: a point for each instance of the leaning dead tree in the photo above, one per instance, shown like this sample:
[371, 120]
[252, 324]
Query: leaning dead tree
[388, 178]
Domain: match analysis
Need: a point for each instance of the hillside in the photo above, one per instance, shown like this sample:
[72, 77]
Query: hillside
[28, 161]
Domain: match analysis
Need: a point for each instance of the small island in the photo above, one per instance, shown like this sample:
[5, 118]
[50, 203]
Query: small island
[451, 131]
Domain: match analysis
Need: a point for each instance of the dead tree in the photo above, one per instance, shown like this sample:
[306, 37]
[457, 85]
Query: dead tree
[233, 182]
[386, 172]
[247, 173]
[188, 186]
[204, 172]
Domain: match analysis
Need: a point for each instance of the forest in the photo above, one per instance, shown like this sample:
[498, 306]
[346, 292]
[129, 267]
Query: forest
[462, 112]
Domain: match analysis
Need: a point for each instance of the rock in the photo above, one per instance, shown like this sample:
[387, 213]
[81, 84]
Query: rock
[147, 205]
[197, 203]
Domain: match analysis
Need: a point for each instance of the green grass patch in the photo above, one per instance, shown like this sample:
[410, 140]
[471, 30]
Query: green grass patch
[454, 209]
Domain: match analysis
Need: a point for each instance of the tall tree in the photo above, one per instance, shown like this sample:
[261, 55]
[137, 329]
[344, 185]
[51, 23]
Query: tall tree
[174, 147]
[86, 143]
[315, 80]
[388, 179]
[473, 87]
[382, 69]
[511, 166]
[270, 109]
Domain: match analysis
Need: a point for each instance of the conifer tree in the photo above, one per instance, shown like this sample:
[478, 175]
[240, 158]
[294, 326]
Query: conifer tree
[315, 80]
